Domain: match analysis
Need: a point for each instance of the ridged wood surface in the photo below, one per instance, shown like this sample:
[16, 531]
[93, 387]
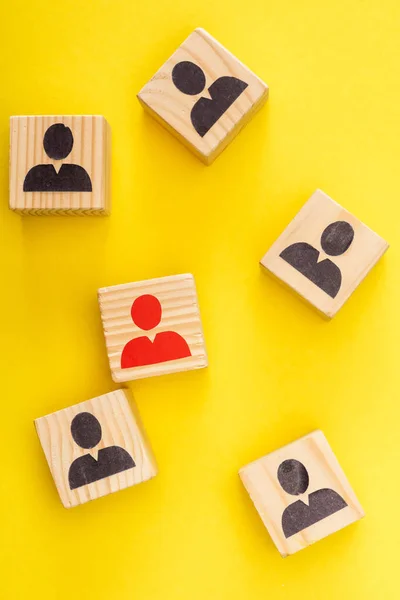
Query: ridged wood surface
[121, 426]
[91, 150]
[180, 313]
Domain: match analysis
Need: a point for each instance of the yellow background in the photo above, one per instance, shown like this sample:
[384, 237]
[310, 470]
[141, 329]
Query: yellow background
[277, 370]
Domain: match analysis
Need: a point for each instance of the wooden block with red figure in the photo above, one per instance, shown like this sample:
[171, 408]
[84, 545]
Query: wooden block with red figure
[152, 327]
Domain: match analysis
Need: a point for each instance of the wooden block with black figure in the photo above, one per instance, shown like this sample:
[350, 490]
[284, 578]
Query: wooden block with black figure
[96, 447]
[60, 165]
[203, 95]
[301, 493]
[324, 254]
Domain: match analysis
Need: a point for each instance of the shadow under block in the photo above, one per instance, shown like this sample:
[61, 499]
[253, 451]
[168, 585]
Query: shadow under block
[203, 95]
[301, 493]
[96, 447]
[60, 165]
[324, 254]
[152, 327]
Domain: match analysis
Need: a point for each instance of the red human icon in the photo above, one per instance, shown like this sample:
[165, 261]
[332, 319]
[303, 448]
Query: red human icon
[167, 345]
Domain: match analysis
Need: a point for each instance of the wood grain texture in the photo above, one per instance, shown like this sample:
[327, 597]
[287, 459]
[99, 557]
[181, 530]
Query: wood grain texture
[172, 108]
[261, 481]
[180, 313]
[355, 263]
[91, 150]
[121, 426]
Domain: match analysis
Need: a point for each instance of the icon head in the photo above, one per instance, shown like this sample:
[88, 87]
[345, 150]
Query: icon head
[58, 141]
[146, 312]
[293, 477]
[336, 238]
[188, 78]
[86, 430]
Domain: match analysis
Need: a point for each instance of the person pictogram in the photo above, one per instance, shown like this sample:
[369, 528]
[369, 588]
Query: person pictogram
[86, 432]
[57, 142]
[146, 313]
[335, 240]
[293, 477]
[190, 79]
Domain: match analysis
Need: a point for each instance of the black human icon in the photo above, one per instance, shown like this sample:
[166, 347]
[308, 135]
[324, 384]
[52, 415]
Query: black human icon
[293, 477]
[57, 142]
[335, 240]
[86, 431]
[189, 78]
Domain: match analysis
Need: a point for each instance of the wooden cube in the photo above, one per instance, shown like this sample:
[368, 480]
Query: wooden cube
[60, 165]
[306, 469]
[96, 447]
[324, 253]
[203, 95]
[152, 327]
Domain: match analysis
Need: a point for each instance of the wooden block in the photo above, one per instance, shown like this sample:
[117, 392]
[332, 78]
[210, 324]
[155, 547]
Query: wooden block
[203, 95]
[60, 165]
[152, 327]
[324, 254]
[96, 447]
[309, 470]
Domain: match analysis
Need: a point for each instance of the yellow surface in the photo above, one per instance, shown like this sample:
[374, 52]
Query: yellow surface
[277, 370]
